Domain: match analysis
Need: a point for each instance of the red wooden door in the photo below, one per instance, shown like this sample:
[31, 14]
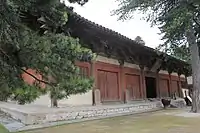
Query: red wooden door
[107, 83]
[112, 86]
[164, 88]
[175, 88]
[133, 85]
[101, 84]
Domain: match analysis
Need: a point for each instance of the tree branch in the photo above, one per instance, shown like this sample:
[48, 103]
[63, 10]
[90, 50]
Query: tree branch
[4, 53]
[196, 22]
[49, 83]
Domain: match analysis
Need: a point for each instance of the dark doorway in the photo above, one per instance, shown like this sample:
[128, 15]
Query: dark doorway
[150, 87]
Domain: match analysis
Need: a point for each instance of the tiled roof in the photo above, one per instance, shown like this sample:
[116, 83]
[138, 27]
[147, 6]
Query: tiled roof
[117, 34]
[83, 26]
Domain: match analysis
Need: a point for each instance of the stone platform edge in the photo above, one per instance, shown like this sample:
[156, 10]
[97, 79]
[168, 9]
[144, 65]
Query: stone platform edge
[15, 114]
[60, 123]
[65, 116]
[30, 118]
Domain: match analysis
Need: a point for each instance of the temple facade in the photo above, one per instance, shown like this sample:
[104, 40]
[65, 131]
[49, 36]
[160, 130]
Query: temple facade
[124, 70]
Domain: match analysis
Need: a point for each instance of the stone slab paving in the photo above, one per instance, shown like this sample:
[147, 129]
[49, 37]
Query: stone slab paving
[31, 115]
[9, 123]
[187, 113]
[58, 123]
[154, 122]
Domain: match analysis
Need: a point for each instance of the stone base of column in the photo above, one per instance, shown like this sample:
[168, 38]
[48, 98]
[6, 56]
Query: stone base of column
[97, 97]
[127, 96]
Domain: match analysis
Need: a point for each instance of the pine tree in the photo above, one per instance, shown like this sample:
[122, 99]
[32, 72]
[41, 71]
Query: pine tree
[34, 36]
[139, 40]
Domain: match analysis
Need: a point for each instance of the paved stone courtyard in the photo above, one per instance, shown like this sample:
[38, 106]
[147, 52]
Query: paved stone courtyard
[165, 121]
[9, 122]
[34, 117]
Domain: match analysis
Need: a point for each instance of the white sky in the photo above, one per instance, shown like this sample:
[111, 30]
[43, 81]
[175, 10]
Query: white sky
[99, 11]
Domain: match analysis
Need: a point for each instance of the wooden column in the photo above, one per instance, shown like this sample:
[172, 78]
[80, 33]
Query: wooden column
[180, 94]
[122, 80]
[93, 76]
[95, 91]
[186, 86]
[179, 86]
[186, 81]
[170, 85]
[142, 83]
[170, 82]
[158, 83]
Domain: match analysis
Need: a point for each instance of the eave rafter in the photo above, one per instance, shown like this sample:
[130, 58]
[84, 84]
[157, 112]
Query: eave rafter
[132, 56]
[187, 71]
[156, 65]
[157, 62]
[121, 56]
[122, 48]
[109, 50]
[142, 61]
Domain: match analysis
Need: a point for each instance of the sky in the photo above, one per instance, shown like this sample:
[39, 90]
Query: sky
[99, 11]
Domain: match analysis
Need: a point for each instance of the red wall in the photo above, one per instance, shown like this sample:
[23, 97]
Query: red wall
[108, 81]
[132, 81]
[169, 84]
[113, 80]
[31, 80]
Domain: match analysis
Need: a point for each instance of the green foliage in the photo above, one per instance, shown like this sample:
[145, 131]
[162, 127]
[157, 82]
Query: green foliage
[179, 22]
[181, 52]
[26, 94]
[32, 36]
[5, 92]
[81, 2]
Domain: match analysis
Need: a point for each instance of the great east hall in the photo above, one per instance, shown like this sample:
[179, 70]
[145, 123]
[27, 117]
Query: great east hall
[124, 70]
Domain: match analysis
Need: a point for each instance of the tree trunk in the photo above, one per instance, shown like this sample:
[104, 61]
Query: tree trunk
[195, 62]
[54, 102]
